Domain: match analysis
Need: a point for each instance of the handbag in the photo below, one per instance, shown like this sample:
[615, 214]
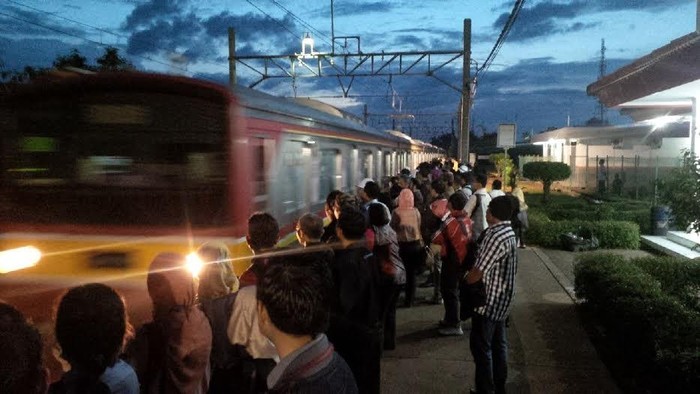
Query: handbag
[471, 296]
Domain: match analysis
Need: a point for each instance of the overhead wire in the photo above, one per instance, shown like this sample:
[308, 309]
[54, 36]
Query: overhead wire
[502, 37]
[101, 30]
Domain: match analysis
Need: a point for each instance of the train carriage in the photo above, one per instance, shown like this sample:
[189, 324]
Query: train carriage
[101, 172]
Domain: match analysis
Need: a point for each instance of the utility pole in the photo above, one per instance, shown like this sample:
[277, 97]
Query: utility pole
[231, 57]
[601, 73]
[466, 93]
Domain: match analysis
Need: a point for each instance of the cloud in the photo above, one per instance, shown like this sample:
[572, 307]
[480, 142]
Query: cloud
[553, 17]
[145, 13]
[352, 8]
[33, 24]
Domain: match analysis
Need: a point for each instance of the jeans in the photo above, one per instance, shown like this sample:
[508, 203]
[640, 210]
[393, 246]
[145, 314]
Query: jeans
[411, 254]
[449, 287]
[489, 347]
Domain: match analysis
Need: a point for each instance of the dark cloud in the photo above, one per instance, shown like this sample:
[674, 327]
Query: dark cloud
[181, 32]
[149, 11]
[351, 8]
[411, 40]
[552, 17]
[27, 23]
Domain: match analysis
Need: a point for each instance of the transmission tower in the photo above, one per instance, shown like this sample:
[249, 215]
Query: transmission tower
[601, 74]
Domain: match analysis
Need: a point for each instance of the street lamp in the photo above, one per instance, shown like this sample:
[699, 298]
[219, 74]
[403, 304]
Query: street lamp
[307, 42]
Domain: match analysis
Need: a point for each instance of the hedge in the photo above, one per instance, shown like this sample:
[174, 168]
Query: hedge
[604, 212]
[611, 234]
[678, 277]
[656, 332]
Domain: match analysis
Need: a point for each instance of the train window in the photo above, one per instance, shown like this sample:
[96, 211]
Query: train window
[367, 164]
[293, 184]
[330, 177]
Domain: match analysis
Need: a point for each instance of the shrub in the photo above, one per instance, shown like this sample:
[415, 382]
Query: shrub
[678, 277]
[679, 189]
[655, 332]
[611, 234]
[546, 172]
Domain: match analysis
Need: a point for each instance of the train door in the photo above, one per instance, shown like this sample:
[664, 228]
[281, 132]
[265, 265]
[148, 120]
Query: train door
[262, 152]
[330, 177]
[367, 160]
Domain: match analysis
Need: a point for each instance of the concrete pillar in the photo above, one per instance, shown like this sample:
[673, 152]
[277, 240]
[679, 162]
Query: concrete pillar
[694, 140]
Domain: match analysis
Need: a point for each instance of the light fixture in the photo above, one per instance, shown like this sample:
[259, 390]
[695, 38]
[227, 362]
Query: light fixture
[307, 43]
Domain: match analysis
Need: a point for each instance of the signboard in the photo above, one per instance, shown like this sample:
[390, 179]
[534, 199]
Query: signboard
[506, 135]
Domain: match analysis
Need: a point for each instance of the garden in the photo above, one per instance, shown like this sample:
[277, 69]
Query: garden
[645, 311]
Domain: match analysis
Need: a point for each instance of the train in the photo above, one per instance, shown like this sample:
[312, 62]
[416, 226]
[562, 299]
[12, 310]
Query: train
[100, 172]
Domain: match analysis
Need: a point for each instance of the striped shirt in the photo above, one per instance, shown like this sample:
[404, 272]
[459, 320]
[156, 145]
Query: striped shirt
[498, 260]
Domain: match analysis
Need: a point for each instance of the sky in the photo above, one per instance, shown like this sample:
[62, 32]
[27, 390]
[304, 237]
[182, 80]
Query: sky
[537, 80]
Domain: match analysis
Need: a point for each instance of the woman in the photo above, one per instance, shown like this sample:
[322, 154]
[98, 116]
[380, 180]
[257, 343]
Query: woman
[329, 231]
[171, 353]
[385, 248]
[523, 223]
[91, 325]
[406, 222]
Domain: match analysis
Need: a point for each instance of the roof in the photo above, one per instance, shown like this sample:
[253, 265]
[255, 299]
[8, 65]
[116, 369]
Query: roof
[603, 135]
[668, 67]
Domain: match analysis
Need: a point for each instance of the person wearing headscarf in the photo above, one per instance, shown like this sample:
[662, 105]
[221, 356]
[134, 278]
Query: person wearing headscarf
[171, 353]
[406, 222]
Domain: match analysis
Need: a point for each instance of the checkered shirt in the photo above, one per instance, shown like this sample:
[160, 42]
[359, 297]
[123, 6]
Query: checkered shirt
[498, 260]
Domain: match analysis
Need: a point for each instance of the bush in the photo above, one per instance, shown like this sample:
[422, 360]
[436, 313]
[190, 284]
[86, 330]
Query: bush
[657, 334]
[546, 172]
[678, 277]
[611, 234]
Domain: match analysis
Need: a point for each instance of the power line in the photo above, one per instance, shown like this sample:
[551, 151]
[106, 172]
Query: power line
[275, 20]
[88, 40]
[502, 37]
[303, 22]
[102, 30]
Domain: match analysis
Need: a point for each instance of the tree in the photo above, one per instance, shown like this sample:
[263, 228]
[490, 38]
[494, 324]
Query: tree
[680, 189]
[504, 165]
[546, 172]
[111, 61]
[75, 59]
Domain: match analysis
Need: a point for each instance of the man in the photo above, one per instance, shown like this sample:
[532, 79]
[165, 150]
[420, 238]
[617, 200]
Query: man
[21, 368]
[496, 189]
[496, 265]
[463, 181]
[453, 237]
[602, 176]
[477, 205]
[355, 326]
[360, 190]
[309, 230]
[294, 310]
[263, 234]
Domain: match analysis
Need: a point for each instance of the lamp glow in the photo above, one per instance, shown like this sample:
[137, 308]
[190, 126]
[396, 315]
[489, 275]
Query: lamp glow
[194, 264]
[18, 259]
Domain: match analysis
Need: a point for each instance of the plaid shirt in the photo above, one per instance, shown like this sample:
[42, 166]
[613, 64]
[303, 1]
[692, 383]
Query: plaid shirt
[498, 260]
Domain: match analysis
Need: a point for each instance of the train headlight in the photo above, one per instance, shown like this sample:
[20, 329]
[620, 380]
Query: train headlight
[19, 258]
[194, 264]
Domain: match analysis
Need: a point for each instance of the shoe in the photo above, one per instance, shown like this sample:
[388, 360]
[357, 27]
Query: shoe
[522, 246]
[444, 324]
[451, 331]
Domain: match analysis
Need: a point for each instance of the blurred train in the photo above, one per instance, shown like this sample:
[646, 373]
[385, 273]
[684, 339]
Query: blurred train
[101, 172]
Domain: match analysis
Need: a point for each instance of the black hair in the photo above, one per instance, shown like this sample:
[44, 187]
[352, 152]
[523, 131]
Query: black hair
[457, 201]
[501, 208]
[91, 324]
[372, 190]
[438, 186]
[482, 178]
[352, 222]
[296, 297]
[21, 370]
[263, 231]
[405, 171]
[330, 198]
[497, 184]
[377, 215]
[311, 225]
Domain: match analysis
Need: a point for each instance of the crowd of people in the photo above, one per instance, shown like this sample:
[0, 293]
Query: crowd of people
[316, 318]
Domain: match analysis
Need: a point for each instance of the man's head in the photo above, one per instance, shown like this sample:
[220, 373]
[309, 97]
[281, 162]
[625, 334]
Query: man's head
[263, 231]
[405, 181]
[496, 184]
[500, 209]
[480, 180]
[378, 215]
[90, 327]
[330, 201]
[371, 191]
[360, 189]
[457, 202]
[293, 300]
[437, 188]
[351, 224]
[21, 369]
[309, 228]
